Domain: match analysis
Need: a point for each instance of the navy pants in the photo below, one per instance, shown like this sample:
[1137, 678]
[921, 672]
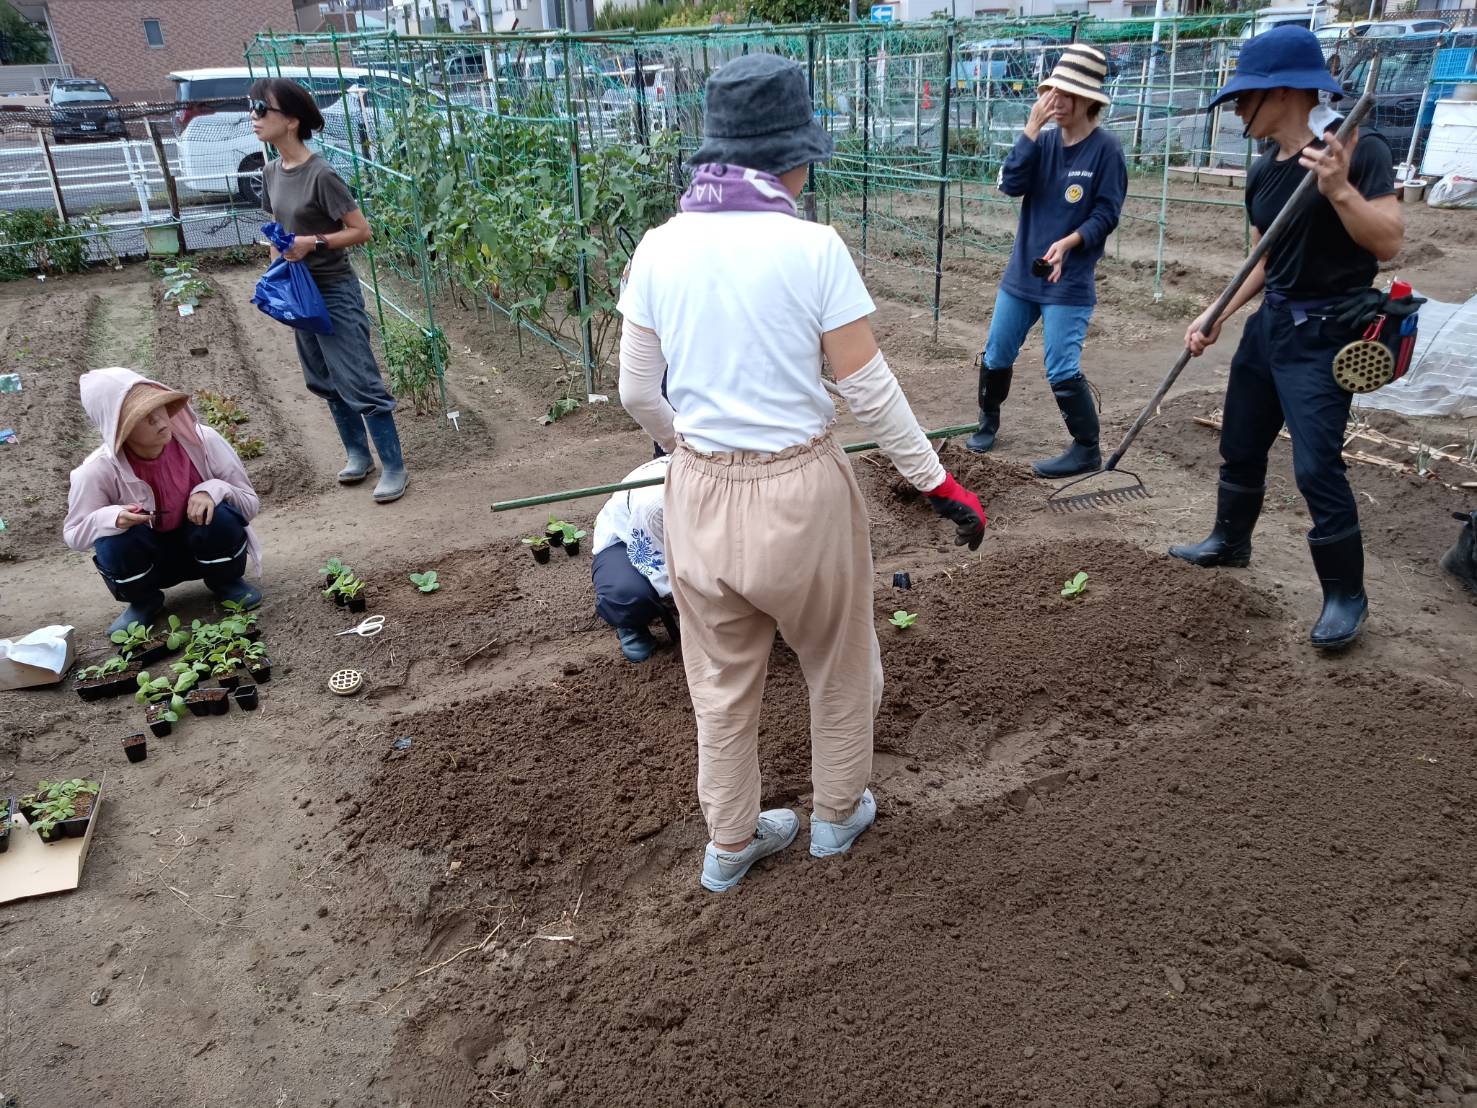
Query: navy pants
[623, 595]
[141, 561]
[1283, 373]
[341, 366]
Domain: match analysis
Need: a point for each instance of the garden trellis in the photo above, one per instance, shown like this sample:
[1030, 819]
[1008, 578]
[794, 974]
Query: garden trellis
[523, 168]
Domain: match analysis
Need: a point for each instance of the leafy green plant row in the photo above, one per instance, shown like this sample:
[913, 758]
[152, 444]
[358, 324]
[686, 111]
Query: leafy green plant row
[37, 241]
[225, 415]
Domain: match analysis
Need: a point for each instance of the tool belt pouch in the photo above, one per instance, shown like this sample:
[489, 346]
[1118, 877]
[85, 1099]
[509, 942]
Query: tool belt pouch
[1383, 352]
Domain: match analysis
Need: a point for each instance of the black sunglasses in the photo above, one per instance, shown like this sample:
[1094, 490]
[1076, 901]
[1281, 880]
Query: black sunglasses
[260, 108]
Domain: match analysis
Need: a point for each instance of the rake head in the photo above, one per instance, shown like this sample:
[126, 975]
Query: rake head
[1098, 498]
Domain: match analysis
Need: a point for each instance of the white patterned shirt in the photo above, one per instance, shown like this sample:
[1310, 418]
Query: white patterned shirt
[635, 518]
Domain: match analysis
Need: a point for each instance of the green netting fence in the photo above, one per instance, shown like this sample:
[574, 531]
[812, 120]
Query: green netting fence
[522, 169]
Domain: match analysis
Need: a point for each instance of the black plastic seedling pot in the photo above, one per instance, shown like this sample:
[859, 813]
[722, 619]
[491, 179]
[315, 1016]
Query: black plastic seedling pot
[246, 697]
[160, 727]
[230, 680]
[340, 599]
[556, 538]
[99, 688]
[76, 827]
[540, 554]
[136, 747]
[198, 702]
[208, 702]
[357, 603]
[901, 580]
[572, 547]
[150, 652]
[261, 672]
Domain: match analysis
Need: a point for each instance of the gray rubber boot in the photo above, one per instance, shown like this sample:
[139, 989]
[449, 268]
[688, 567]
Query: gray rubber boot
[386, 437]
[355, 438]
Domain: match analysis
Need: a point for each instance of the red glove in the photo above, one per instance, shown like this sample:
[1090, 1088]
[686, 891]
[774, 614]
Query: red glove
[953, 501]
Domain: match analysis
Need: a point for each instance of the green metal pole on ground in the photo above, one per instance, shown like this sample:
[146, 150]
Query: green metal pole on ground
[606, 490]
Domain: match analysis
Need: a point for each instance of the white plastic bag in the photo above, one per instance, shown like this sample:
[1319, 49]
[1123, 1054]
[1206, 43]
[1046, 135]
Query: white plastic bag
[1453, 191]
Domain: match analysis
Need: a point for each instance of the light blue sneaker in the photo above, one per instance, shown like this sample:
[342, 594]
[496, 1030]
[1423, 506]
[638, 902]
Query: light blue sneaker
[723, 869]
[827, 838]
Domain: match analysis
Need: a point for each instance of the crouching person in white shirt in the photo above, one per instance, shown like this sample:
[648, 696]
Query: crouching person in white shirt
[632, 589]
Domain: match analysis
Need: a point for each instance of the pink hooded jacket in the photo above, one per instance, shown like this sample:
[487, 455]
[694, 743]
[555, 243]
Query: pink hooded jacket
[105, 484]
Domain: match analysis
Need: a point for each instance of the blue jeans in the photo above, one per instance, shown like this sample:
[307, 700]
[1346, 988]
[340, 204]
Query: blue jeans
[1283, 373]
[341, 366]
[139, 562]
[1064, 326]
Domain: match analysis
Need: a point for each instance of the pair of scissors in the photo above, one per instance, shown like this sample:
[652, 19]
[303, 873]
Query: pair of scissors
[371, 627]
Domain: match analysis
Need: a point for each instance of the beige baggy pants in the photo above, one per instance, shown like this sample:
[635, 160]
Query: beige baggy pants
[756, 542]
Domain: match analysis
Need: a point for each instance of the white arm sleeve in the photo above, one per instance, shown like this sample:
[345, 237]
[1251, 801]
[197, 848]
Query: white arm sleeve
[642, 366]
[876, 399]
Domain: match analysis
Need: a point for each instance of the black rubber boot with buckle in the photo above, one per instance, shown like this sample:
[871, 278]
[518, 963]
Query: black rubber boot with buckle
[1229, 543]
[1079, 413]
[1340, 565]
[994, 388]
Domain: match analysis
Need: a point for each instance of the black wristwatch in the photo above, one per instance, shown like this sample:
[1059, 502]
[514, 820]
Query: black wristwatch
[322, 242]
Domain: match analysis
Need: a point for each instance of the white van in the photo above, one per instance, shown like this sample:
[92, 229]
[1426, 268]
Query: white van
[218, 152]
[1311, 17]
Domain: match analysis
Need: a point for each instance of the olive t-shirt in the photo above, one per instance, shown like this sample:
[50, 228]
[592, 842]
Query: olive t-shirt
[1315, 258]
[311, 199]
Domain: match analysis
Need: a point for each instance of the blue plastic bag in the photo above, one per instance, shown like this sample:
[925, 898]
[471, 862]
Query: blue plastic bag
[287, 291]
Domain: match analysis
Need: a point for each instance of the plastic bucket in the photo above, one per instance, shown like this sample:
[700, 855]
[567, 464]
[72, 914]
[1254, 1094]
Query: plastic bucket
[1415, 188]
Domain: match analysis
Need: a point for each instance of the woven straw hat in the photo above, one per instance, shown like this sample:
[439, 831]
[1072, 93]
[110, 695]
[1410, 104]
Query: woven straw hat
[139, 401]
[1081, 72]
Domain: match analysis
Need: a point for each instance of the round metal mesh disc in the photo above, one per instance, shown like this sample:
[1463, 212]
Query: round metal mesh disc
[1364, 366]
[346, 682]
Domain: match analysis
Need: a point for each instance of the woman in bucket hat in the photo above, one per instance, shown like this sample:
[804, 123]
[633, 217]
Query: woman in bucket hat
[163, 500]
[1071, 181]
[738, 300]
[1282, 371]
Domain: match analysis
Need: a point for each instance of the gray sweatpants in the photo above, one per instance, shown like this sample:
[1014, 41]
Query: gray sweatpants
[341, 366]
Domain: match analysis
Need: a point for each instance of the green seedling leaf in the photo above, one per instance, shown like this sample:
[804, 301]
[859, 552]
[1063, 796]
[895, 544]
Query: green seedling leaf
[426, 582]
[903, 620]
[1076, 586]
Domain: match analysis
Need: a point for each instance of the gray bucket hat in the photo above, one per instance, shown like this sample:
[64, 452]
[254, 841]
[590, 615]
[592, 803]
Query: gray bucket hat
[758, 116]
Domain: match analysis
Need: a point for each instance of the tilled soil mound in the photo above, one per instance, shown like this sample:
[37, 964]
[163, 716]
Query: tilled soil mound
[1171, 888]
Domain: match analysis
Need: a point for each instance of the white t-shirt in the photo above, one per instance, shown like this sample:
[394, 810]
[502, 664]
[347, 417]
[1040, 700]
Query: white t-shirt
[634, 517]
[740, 301]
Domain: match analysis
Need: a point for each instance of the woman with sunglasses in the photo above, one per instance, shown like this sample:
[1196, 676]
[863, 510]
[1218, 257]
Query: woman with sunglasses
[310, 200]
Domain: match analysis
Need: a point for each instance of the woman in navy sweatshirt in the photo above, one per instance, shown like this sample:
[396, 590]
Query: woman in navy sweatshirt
[1071, 181]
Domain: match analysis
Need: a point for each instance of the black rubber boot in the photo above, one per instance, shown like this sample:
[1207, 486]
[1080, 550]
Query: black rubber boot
[1074, 398]
[1340, 566]
[1229, 544]
[994, 388]
[1461, 560]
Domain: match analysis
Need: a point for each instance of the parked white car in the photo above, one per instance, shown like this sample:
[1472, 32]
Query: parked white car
[218, 153]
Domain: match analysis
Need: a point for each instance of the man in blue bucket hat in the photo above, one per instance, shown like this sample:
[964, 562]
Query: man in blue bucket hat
[1282, 371]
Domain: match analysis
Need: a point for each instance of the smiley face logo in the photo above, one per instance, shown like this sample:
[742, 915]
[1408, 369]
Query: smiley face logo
[1074, 193]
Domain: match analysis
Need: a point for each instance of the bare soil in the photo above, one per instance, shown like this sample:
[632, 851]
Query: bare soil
[1141, 847]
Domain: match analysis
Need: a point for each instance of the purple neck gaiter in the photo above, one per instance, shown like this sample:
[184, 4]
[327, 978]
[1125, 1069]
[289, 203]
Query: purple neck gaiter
[732, 188]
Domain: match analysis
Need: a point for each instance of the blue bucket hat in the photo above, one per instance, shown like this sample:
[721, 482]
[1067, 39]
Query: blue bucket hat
[1284, 57]
[758, 115]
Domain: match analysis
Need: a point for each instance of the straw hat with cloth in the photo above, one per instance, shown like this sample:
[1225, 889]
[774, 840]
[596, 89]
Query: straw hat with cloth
[1080, 71]
[138, 402]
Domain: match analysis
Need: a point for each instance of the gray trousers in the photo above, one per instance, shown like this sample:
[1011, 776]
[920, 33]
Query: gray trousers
[341, 366]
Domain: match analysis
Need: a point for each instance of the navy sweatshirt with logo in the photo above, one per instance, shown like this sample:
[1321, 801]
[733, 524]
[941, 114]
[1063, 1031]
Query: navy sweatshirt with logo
[1062, 189]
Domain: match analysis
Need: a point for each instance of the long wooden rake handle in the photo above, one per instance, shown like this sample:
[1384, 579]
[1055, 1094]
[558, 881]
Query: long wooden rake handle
[1284, 219]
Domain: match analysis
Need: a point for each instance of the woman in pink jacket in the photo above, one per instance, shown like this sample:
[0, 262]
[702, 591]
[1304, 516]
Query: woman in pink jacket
[164, 499]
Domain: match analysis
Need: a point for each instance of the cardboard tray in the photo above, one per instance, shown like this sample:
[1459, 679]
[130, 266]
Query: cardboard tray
[33, 868]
